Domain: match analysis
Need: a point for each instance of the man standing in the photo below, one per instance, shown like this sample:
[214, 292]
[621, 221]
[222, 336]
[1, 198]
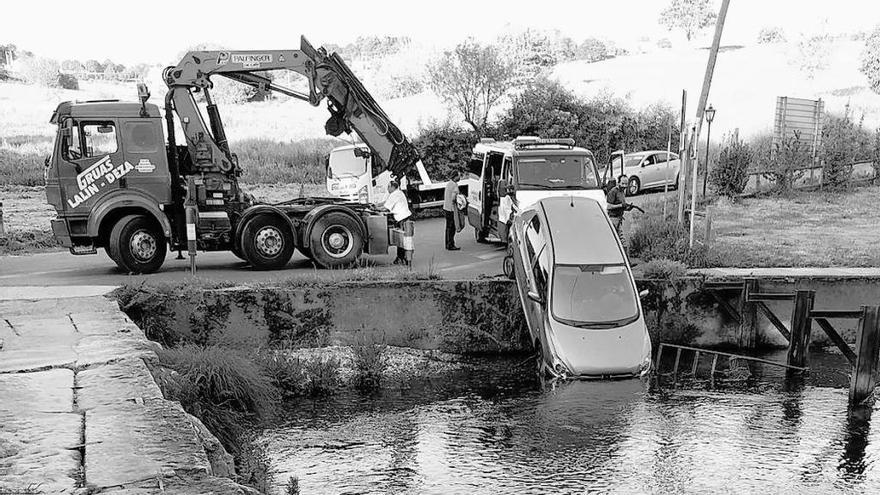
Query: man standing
[616, 200]
[449, 210]
[399, 208]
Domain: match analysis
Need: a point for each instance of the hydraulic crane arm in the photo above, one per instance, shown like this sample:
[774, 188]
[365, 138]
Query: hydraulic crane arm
[350, 104]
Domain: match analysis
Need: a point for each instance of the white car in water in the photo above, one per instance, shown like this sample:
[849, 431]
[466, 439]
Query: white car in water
[648, 170]
[577, 290]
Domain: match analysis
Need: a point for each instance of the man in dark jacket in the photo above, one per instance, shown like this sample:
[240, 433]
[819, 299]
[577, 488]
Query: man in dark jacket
[616, 199]
[450, 209]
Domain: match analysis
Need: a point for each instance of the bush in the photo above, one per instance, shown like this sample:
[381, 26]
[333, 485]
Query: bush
[730, 175]
[370, 363]
[322, 376]
[664, 269]
[779, 162]
[39, 71]
[222, 387]
[593, 50]
[772, 34]
[68, 81]
[843, 141]
[444, 148]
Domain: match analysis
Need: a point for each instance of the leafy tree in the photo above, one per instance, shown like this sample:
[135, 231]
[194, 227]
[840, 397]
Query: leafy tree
[689, 16]
[445, 148]
[93, 66]
[531, 52]
[72, 65]
[472, 78]
[593, 50]
[771, 34]
[871, 59]
[45, 72]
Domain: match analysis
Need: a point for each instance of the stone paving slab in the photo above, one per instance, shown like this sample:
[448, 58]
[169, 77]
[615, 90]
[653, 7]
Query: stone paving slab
[46, 391]
[132, 442]
[40, 449]
[54, 292]
[114, 384]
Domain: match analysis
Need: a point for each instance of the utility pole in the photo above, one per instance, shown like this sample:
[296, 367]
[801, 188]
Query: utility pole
[683, 158]
[704, 96]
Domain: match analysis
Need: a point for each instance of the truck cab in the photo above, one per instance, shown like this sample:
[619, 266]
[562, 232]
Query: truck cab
[109, 160]
[504, 177]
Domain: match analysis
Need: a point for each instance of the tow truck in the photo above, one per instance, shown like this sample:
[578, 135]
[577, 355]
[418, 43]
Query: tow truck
[118, 180]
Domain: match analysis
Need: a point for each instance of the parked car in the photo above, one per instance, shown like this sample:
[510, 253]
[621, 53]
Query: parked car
[577, 291]
[648, 169]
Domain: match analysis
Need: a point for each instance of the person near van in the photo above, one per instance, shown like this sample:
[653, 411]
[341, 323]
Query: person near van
[616, 199]
[450, 208]
[399, 208]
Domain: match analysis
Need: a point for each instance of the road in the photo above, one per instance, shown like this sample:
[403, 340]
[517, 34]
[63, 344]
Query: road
[63, 268]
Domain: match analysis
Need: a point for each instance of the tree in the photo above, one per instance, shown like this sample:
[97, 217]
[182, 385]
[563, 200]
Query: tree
[731, 174]
[593, 50]
[72, 66]
[472, 78]
[871, 59]
[690, 16]
[93, 66]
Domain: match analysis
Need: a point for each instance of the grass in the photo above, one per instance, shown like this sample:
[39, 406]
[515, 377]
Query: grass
[370, 362]
[27, 242]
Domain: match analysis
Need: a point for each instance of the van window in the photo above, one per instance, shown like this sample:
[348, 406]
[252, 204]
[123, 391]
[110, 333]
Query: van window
[556, 172]
[593, 295]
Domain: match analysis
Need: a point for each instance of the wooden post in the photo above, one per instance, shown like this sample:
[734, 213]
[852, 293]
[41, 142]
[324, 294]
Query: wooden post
[749, 312]
[683, 161]
[799, 343]
[867, 343]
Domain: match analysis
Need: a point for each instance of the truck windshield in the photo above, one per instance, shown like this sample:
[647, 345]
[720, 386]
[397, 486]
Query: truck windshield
[597, 296]
[556, 172]
[344, 163]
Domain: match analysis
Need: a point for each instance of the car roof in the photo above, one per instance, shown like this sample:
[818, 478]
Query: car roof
[580, 232]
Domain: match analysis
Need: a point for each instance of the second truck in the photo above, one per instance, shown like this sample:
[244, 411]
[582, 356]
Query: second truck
[118, 179]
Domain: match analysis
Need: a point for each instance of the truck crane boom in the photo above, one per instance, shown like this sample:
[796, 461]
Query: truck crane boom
[351, 106]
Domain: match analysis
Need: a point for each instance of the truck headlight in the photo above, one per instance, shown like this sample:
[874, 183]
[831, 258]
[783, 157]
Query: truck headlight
[363, 196]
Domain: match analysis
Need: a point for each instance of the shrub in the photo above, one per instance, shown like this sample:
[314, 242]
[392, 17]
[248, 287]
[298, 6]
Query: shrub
[67, 81]
[842, 142]
[771, 34]
[654, 237]
[222, 387]
[322, 375]
[664, 269]
[292, 487]
[779, 162]
[370, 363]
[593, 50]
[444, 148]
[729, 176]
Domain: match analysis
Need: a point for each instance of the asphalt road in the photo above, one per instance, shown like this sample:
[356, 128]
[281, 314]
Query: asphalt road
[63, 268]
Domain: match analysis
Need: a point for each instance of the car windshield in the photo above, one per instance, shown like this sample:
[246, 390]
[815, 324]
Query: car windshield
[344, 163]
[556, 172]
[593, 295]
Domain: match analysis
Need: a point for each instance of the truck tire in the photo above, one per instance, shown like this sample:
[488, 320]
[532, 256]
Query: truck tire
[336, 240]
[267, 242]
[137, 245]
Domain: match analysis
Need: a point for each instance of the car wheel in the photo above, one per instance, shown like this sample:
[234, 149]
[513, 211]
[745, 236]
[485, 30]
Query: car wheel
[336, 240]
[267, 242]
[634, 186]
[137, 245]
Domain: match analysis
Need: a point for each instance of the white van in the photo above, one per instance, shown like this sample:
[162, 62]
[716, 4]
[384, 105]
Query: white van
[508, 176]
[577, 290]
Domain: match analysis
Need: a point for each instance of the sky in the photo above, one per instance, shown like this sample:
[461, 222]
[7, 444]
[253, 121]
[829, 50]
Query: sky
[157, 31]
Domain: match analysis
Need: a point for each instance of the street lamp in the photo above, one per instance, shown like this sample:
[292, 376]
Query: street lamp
[710, 116]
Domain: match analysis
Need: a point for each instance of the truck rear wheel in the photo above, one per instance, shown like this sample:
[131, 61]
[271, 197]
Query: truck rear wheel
[267, 242]
[336, 240]
[137, 245]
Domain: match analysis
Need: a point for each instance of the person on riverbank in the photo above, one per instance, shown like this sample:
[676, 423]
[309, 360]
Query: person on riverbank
[450, 208]
[398, 205]
[616, 199]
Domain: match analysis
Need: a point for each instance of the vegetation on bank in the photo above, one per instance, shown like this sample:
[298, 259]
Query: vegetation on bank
[27, 242]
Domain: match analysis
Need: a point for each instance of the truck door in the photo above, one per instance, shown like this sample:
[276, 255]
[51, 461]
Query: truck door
[474, 182]
[491, 174]
[143, 143]
[90, 165]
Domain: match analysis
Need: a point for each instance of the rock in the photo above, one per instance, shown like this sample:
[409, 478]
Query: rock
[222, 463]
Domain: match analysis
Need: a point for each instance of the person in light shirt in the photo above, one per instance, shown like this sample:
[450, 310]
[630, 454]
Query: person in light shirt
[398, 205]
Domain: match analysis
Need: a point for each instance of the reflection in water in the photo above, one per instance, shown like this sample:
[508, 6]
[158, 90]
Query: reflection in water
[496, 434]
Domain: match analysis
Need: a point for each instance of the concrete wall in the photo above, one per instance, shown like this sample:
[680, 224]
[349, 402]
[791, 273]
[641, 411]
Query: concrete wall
[478, 316]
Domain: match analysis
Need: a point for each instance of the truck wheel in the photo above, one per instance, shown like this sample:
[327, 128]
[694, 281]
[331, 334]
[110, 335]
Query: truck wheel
[267, 242]
[336, 240]
[137, 245]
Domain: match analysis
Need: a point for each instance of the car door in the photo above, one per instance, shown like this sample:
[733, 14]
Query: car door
[648, 171]
[658, 170]
[92, 163]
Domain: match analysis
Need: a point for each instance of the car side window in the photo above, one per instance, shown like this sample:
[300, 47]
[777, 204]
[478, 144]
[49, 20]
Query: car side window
[99, 138]
[660, 158]
[649, 160]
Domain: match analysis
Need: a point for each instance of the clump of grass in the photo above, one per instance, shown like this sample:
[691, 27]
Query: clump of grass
[322, 375]
[370, 362]
[292, 487]
[27, 241]
[294, 162]
[663, 269]
[295, 376]
[221, 386]
[252, 465]
[22, 159]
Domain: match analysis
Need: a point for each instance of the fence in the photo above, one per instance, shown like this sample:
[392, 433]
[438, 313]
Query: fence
[860, 171]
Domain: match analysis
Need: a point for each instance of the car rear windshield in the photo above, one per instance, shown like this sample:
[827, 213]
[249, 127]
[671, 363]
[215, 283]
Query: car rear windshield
[593, 295]
[556, 172]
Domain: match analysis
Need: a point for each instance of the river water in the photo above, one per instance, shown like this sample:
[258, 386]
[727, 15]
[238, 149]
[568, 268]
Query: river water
[500, 431]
